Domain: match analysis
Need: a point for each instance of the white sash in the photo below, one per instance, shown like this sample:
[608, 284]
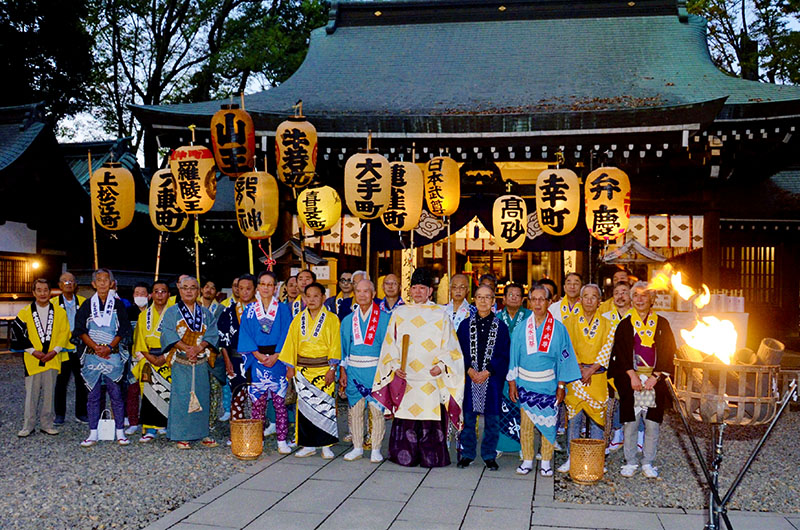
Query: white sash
[103, 319]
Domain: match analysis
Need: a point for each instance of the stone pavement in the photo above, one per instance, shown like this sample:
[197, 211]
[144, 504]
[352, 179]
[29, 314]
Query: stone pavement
[284, 492]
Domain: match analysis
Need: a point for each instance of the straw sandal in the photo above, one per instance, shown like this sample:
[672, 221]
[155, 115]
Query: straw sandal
[183, 445]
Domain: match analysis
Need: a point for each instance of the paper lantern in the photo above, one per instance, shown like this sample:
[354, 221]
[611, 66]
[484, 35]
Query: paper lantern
[405, 204]
[442, 186]
[256, 198]
[296, 151]
[367, 185]
[164, 212]
[319, 208]
[510, 220]
[233, 138]
[113, 199]
[558, 201]
[195, 176]
[607, 193]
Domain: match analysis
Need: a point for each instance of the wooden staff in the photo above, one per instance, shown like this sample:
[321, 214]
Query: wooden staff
[197, 246]
[250, 254]
[158, 255]
[300, 235]
[404, 354]
[94, 225]
[368, 254]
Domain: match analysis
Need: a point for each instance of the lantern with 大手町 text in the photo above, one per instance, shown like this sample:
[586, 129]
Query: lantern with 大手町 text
[256, 198]
[195, 175]
[558, 201]
[442, 186]
[367, 185]
[164, 212]
[296, 151]
[319, 208]
[607, 194]
[405, 204]
[510, 221]
[113, 200]
[233, 139]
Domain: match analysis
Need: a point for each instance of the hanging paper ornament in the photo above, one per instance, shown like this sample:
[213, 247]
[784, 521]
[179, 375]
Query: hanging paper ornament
[510, 221]
[256, 198]
[558, 201]
[442, 186]
[296, 151]
[164, 212]
[113, 200]
[367, 185]
[319, 208]
[405, 204]
[607, 193]
[233, 138]
[195, 175]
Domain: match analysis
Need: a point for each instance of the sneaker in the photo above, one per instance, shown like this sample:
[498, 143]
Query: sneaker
[305, 452]
[283, 448]
[50, 431]
[24, 433]
[225, 417]
[327, 453]
[628, 470]
[354, 454]
[132, 429]
[649, 471]
[59, 420]
[564, 468]
[272, 429]
[491, 465]
[375, 456]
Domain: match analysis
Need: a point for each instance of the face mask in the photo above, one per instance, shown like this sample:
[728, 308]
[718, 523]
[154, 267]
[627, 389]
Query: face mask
[140, 301]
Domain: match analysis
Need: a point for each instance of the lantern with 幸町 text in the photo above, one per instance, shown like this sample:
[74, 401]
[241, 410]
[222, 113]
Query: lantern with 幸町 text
[296, 152]
[607, 194]
[405, 204]
[195, 175]
[510, 221]
[319, 208]
[442, 186]
[558, 201]
[233, 138]
[256, 198]
[164, 212]
[113, 199]
[367, 185]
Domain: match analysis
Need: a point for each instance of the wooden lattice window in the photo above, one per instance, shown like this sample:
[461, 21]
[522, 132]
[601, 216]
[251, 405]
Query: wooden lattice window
[16, 276]
[752, 270]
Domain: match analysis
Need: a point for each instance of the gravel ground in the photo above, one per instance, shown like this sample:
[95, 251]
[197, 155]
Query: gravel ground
[52, 482]
[770, 485]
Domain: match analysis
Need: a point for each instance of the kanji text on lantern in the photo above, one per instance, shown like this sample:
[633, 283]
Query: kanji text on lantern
[107, 200]
[233, 159]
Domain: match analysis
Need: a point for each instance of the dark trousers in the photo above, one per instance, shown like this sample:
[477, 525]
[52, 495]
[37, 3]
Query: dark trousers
[71, 367]
[469, 438]
[96, 400]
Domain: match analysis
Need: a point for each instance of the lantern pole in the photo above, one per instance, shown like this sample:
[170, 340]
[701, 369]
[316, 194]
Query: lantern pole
[197, 246]
[250, 254]
[449, 272]
[158, 255]
[300, 233]
[368, 245]
[94, 225]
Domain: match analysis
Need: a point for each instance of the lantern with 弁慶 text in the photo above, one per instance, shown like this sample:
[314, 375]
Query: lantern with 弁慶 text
[607, 194]
[233, 139]
[113, 200]
[442, 186]
[558, 201]
[256, 198]
[319, 208]
[510, 221]
[164, 212]
[405, 203]
[195, 175]
[296, 151]
[367, 184]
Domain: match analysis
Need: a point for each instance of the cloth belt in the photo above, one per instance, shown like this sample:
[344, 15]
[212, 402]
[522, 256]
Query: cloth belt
[311, 362]
[181, 358]
[266, 350]
[537, 377]
[362, 361]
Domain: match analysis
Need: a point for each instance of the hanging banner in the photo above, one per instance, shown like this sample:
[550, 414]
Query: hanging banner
[607, 193]
[367, 185]
[558, 201]
[319, 208]
[164, 212]
[510, 221]
[233, 138]
[296, 152]
[113, 200]
[442, 186]
[256, 199]
[405, 204]
[195, 175]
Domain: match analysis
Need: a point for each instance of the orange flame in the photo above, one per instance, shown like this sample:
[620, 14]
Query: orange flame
[713, 336]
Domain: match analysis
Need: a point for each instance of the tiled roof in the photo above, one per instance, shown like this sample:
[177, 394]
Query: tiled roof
[19, 127]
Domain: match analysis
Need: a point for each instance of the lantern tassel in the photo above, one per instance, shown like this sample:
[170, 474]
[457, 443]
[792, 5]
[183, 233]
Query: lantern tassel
[94, 225]
[197, 241]
[270, 262]
[158, 254]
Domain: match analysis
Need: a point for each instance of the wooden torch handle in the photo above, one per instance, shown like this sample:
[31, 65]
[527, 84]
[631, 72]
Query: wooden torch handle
[404, 355]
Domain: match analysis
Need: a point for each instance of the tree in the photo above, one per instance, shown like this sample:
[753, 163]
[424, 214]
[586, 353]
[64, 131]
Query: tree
[46, 55]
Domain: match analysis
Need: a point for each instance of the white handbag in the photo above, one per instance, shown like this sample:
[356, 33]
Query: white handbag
[106, 427]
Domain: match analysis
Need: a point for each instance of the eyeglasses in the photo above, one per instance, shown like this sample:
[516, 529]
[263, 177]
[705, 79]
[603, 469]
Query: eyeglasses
[188, 288]
[484, 297]
[266, 285]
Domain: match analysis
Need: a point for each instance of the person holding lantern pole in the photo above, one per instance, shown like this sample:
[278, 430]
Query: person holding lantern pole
[311, 353]
[69, 301]
[619, 310]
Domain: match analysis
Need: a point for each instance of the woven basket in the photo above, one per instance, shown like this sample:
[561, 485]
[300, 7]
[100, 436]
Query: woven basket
[586, 460]
[247, 438]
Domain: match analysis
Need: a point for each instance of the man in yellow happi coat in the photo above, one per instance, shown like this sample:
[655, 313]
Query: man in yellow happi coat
[430, 388]
[619, 276]
[311, 353]
[592, 339]
[569, 306]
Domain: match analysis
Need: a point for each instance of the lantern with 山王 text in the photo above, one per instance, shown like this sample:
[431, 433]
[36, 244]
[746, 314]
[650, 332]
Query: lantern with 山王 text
[558, 201]
[296, 152]
[510, 221]
[113, 200]
[442, 186]
[367, 185]
[233, 139]
[164, 212]
[319, 208]
[405, 204]
[256, 198]
[195, 175]
[607, 194]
